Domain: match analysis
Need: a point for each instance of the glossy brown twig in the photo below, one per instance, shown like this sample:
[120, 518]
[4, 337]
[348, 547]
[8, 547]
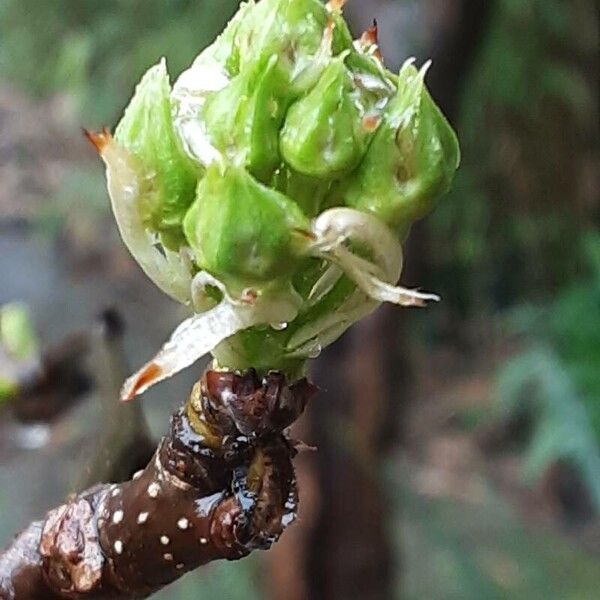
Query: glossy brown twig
[220, 485]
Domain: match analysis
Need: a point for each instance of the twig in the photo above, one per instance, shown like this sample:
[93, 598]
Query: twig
[220, 485]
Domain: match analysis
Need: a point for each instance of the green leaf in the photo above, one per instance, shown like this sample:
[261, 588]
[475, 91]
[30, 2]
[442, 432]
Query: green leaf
[146, 131]
[17, 334]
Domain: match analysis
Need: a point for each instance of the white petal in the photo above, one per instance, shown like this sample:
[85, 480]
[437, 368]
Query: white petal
[373, 277]
[325, 330]
[335, 226]
[190, 92]
[376, 276]
[199, 334]
[369, 280]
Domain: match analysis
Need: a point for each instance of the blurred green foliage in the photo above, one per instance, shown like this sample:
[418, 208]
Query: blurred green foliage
[7, 390]
[484, 552]
[526, 187]
[239, 580]
[513, 231]
[538, 381]
[17, 334]
[96, 51]
[557, 380]
[18, 344]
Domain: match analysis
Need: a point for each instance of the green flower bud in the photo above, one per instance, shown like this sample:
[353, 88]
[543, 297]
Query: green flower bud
[243, 232]
[324, 135]
[224, 51]
[342, 37]
[292, 30]
[147, 132]
[244, 118]
[287, 161]
[411, 160]
[307, 192]
[377, 84]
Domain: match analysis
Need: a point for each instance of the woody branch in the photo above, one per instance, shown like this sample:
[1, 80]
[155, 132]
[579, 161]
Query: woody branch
[220, 485]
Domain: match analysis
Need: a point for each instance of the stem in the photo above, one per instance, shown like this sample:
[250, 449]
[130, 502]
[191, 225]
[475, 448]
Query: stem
[220, 485]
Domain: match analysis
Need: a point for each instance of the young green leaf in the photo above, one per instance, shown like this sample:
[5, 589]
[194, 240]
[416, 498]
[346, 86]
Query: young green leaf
[147, 132]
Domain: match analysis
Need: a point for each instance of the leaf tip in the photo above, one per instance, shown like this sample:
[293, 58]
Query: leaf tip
[99, 139]
[141, 381]
[336, 5]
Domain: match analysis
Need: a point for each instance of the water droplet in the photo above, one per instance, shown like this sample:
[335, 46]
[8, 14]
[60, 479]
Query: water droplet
[205, 505]
[279, 326]
[314, 351]
[288, 519]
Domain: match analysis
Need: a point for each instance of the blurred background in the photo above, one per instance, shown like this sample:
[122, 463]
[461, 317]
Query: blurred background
[458, 446]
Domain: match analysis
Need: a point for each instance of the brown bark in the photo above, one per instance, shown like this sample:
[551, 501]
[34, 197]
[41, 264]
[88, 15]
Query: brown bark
[351, 555]
[220, 485]
[340, 547]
